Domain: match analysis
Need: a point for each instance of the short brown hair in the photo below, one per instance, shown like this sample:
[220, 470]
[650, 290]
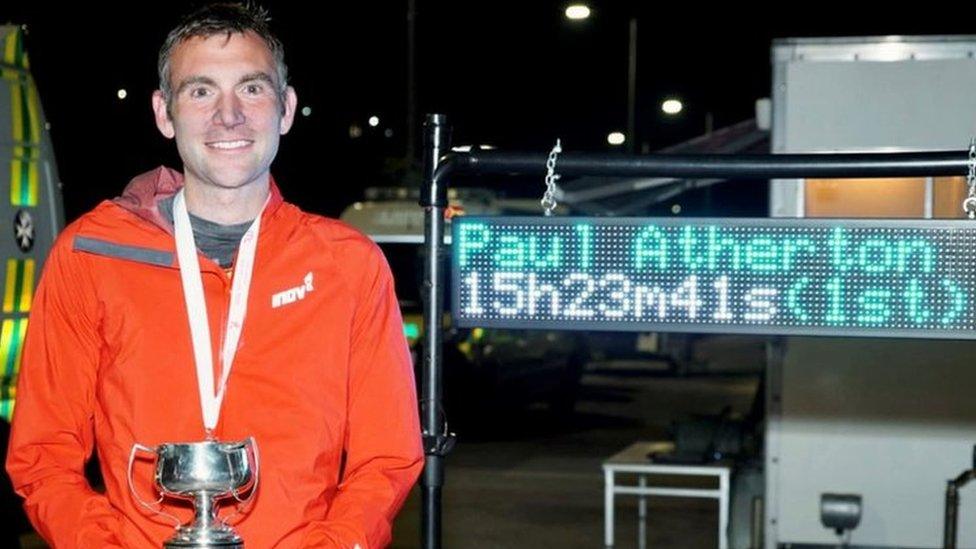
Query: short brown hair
[222, 18]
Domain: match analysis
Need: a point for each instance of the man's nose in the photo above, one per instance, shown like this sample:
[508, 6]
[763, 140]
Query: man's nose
[230, 111]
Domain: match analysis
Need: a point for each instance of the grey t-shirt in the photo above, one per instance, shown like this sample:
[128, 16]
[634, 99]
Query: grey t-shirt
[216, 241]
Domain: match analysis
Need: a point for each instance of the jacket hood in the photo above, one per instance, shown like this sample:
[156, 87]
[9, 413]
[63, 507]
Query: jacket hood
[144, 192]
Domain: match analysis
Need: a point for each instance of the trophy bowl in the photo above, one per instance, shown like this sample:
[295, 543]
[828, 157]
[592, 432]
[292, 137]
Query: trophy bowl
[202, 472]
[219, 468]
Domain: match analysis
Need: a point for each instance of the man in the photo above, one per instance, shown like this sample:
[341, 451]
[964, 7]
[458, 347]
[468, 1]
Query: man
[118, 351]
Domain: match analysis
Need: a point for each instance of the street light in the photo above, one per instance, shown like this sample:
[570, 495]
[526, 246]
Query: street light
[577, 12]
[616, 138]
[672, 106]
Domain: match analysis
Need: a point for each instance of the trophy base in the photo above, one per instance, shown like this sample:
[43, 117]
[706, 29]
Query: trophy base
[188, 537]
[180, 544]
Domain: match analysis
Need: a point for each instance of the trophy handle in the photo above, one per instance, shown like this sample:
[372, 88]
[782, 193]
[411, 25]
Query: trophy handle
[132, 487]
[243, 503]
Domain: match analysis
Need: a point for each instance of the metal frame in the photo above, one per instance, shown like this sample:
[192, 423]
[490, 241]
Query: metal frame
[439, 168]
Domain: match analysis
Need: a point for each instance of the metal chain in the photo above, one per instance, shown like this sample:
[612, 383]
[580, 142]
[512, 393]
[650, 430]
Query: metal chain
[969, 204]
[549, 197]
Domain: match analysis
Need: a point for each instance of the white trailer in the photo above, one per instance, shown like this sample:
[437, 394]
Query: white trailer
[889, 420]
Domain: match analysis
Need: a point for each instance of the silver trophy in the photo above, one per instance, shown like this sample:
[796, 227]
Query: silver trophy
[202, 472]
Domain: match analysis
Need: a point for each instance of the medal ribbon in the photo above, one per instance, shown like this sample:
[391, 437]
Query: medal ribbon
[196, 308]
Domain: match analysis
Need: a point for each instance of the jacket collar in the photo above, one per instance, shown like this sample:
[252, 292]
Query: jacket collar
[142, 195]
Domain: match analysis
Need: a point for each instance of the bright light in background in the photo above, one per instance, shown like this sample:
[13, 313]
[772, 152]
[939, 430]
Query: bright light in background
[577, 12]
[374, 121]
[306, 111]
[469, 148]
[672, 106]
[122, 93]
[355, 131]
[616, 138]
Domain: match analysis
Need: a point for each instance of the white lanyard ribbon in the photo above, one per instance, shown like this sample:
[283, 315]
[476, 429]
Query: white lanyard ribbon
[196, 308]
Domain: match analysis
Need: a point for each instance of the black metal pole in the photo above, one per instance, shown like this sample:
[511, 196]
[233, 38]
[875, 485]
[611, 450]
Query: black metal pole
[632, 88]
[950, 521]
[950, 526]
[437, 442]
[920, 164]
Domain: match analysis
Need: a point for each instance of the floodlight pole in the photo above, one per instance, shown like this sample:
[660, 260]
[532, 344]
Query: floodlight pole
[632, 88]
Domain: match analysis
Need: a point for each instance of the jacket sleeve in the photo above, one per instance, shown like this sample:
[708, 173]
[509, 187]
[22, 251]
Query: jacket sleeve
[384, 454]
[52, 433]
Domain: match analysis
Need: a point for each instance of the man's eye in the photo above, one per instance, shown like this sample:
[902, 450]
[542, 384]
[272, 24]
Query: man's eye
[199, 92]
[253, 89]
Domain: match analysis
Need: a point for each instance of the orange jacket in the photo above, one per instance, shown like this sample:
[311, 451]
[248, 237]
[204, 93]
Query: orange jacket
[108, 362]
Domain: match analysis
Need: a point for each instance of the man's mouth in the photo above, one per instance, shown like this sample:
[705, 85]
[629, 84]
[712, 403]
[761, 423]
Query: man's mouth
[230, 145]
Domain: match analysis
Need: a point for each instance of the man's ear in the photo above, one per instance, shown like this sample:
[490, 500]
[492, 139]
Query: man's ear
[288, 117]
[163, 121]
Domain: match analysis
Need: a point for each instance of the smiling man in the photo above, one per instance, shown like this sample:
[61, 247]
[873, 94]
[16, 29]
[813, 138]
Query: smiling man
[200, 305]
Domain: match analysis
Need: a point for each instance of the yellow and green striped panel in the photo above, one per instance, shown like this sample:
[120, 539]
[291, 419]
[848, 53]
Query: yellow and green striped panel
[25, 124]
[13, 49]
[11, 348]
[25, 119]
[23, 182]
[18, 286]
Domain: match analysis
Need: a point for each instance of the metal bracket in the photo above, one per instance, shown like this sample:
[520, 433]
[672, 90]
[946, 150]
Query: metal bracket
[438, 445]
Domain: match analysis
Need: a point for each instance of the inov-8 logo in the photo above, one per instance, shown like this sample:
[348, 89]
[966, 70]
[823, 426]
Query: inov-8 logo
[292, 295]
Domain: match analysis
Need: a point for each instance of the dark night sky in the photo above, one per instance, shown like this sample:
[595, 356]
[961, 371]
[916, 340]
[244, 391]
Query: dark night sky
[515, 74]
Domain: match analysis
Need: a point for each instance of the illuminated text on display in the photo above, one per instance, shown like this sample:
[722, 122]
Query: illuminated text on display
[899, 278]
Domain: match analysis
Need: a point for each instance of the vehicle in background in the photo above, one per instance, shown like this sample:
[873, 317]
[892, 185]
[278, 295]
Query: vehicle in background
[31, 204]
[30, 200]
[481, 366]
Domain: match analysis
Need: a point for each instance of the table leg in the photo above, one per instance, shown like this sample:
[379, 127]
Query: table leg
[723, 510]
[642, 514]
[608, 494]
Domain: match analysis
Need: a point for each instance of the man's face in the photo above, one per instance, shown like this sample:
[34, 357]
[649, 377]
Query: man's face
[227, 115]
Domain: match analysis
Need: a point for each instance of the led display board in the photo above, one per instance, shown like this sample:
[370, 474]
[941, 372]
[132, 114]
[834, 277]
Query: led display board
[878, 278]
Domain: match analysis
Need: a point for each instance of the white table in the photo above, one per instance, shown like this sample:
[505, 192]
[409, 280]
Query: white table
[634, 460]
